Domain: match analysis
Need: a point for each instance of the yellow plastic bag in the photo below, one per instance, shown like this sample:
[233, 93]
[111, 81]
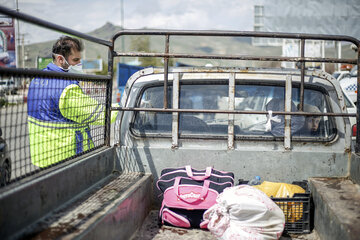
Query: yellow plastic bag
[292, 210]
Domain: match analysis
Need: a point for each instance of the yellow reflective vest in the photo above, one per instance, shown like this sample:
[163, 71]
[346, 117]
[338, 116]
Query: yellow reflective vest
[59, 119]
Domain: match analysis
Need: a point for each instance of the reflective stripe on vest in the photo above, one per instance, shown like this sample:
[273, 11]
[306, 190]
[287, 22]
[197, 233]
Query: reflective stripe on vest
[56, 125]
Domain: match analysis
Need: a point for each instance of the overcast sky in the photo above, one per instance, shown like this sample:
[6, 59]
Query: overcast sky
[87, 15]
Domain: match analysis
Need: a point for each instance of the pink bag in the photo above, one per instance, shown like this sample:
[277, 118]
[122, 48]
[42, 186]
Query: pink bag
[188, 193]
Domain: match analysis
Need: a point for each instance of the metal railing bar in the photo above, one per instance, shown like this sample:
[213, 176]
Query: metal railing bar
[239, 34]
[357, 145]
[46, 24]
[240, 70]
[169, 110]
[237, 57]
[51, 74]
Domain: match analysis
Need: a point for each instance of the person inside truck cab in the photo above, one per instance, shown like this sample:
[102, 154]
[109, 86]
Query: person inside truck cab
[59, 113]
[311, 125]
[276, 123]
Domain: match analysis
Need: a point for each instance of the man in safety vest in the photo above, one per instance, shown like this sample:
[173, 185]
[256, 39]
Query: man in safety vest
[59, 113]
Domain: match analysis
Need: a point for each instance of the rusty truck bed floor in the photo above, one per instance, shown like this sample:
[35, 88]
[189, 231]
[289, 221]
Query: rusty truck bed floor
[73, 218]
[151, 230]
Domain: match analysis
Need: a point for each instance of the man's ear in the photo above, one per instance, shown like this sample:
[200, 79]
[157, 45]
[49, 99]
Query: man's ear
[57, 58]
[61, 60]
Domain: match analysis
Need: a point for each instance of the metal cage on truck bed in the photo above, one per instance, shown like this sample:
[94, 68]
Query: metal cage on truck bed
[23, 168]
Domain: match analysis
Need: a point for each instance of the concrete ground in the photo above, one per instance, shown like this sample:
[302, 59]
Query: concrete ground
[151, 230]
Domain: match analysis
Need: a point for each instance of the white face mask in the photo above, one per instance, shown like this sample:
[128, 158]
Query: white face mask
[76, 68]
[72, 68]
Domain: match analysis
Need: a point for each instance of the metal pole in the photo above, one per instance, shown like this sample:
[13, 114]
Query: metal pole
[339, 55]
[23, 50]
[108, 97]
[231, 107]
[302, 55]
[357, 146]
[122, 27]
[18, 37]
[323, 54]
[122, 13]
[166, 71]
[175, 115]
[288, 97]
[84, 52]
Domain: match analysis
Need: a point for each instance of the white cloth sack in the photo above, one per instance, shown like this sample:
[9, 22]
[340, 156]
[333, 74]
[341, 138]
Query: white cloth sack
[244, 212]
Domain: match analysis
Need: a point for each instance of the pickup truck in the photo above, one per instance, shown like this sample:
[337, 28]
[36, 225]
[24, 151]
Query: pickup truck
[249, 121]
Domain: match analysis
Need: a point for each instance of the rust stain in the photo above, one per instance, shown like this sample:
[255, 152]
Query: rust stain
[178, 231]
[121, 211]
[343, 198]
[54, 232]
[334, 185]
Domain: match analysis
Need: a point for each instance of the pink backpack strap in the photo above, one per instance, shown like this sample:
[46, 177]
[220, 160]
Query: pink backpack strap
[202, 196]
[198, 178]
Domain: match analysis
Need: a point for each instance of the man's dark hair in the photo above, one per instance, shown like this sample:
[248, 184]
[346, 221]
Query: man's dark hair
[64, 45]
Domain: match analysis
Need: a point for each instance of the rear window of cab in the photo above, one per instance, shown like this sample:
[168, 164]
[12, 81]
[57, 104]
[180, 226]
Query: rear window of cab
[247, 98]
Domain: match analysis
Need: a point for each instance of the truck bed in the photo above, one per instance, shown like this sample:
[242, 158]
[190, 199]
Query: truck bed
[151, 230]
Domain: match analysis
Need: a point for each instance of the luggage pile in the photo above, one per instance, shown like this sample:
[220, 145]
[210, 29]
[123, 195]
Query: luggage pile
[208, 199]
[188, 193]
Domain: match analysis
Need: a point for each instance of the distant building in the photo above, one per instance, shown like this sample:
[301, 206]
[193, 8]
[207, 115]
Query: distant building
[306, 16]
